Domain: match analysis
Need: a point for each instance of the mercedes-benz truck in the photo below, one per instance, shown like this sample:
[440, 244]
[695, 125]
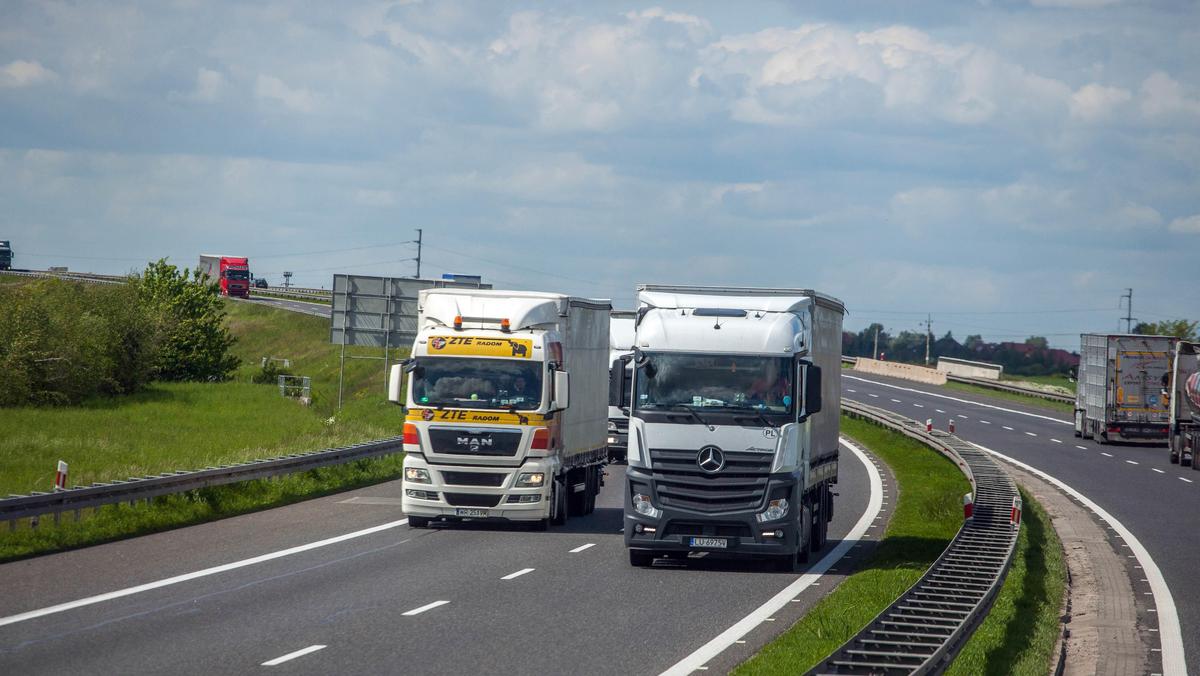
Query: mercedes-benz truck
[733, 427]
[1184, 404]
[620, 354]
[506, 399]
[1121, 391]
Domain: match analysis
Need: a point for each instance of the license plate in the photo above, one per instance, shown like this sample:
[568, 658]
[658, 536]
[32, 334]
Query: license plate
[464, 511]
[712, 543]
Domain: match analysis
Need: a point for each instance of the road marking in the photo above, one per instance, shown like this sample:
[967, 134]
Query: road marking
[962, 401]
[1109, 455]
[716, 646]
[963, 416]
[896, 401]
[850, 390]
[1131, 462]
[1170, 634]
[985, 422]
[1056, 441]
[1187, 480]
[1007, 428]
[291, 656]
[1031, 434]
[919, 405]
[1082, 448]
[517, 574]
[166, 582]
[1158, 470]
[589, 545]
[872, 395]
[427, 606]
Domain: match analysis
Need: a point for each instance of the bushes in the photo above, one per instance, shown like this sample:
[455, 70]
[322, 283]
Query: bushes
[62, 342]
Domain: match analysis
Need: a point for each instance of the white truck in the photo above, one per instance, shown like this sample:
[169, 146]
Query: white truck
[1120, 395]
[506, 406]
[733, 430]
[620, 355]
[1184, 405]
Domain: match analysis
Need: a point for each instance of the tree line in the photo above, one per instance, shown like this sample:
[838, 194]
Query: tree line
[62, 342]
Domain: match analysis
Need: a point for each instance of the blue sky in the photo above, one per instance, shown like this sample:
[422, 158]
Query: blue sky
[1009, 167]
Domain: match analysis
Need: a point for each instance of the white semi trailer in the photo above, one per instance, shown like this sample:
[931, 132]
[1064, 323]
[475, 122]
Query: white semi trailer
[733, 428]
[506, 406]
[1184, 406]
[1121, 390]
[620, 354]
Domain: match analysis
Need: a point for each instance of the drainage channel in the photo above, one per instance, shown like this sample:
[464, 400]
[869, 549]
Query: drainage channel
[922, 631]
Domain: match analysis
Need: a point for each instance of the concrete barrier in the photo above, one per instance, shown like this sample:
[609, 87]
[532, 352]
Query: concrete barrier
[920, 374]
[969, 369]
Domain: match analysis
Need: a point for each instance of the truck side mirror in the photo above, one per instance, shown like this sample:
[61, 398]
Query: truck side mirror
[812, 390]
[562, 391]
[617, 382]
[395, 384]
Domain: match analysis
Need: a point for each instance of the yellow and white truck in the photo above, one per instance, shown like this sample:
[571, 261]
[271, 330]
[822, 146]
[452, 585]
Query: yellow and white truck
[507, 406]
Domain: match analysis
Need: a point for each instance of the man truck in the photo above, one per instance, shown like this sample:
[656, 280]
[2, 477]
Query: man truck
[6, 255]
[231, 272]
[620, 351]
[506, 407]
[1184, 405]
[1120, 393]
[733, 425]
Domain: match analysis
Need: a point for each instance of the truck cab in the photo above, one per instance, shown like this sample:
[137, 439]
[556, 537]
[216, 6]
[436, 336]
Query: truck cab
[6, 255]
[733, 430]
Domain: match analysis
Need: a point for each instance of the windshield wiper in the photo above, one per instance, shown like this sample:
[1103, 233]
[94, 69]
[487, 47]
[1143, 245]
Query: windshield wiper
[695, 415]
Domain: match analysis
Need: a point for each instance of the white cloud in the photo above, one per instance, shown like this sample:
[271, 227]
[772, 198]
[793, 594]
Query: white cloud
[208, 88]
[297, 99]
[1189, 225]
[1074, 4]
[25, 73]
[1163, 96]
[1095, 102]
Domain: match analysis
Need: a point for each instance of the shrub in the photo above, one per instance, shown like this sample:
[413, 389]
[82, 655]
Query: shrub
[193, 342]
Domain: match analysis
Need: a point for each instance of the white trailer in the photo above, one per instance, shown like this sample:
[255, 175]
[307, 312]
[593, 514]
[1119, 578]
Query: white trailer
[620, 355]
[1121, 391]
[1184, 405]
[507, 406]
[733, 428]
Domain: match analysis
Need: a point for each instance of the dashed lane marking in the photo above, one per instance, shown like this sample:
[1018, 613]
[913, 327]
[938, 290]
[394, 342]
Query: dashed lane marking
[1158, 470]
[517, 574]
[1107, 455]
[1007, 428]
[985, 422]
[427, 606]
[1082, 448]
[1056, 441]
[1187, 480]
[580, 548]
[293, 655]
[1132, 462]
[896, 401]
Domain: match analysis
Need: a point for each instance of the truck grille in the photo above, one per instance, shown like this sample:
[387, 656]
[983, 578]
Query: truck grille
[474, 442]
[473, 478]
[680, 482]
[472, 499]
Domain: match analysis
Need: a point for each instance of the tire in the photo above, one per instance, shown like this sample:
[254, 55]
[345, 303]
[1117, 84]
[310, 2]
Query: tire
[558, 512]
[593, 489]
[640, 558]
[576, 501]
[819, 528]
[418, 522]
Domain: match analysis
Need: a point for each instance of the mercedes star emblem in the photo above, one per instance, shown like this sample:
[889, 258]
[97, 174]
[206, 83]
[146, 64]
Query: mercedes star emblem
[711, 459]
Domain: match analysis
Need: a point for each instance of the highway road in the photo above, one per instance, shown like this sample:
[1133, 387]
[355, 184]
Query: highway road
[342, 584]
[314, 309]
[1157, 501]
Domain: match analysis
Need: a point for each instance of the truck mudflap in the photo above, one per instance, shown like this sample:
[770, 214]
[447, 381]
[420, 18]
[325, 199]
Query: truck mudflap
[1146, 432]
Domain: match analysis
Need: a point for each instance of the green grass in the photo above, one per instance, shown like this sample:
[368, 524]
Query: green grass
[1057, 380]
[928, 513]
[1059, 406]
[283, 296]
[1020, 632]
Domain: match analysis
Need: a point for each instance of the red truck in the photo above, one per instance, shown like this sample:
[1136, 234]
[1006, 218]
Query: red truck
[233, 273]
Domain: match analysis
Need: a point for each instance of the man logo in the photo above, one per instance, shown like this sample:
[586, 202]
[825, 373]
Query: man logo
[437, 342]
[474, 442]
[710, 459]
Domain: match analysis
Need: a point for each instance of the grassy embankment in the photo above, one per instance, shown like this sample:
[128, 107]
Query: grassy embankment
[174, 426]
[1015, 397]
[1019, 634]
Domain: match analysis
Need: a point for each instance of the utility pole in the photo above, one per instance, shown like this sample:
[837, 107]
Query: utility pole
[1128, 298]
[875, 354]
[928, 336]
[419, 235]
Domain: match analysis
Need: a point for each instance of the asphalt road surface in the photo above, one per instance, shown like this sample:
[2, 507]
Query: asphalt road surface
[383, 598]
[314, 309]
[1157, 501]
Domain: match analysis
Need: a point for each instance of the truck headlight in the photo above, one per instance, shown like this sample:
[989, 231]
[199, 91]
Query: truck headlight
[417, 475]
[643, 506]
[776, 510]
[531, 479]
[612, 426]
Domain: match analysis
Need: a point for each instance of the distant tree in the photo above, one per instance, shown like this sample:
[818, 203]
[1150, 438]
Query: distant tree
[974, 343]
[188, 314]
[1180, 328]
[1037, 342]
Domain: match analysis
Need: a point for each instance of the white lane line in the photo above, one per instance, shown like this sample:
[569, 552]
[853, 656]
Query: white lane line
[1109, 455]
[962, 401]
[517, 574]
[427, 606]
[896, 401]
[293, 655]
[919, 405]
[708, 651]
[963, 416]
[1082, 448]
[876, 396]
[939, 410]
[850, 390]
[1187, 480]
[1158, 470]
[985, 422]
[580, 548]
[1031, 434]
[1170, 635]
[1056, 441]
[166, 582]
[1007, 428]
[1131, 462]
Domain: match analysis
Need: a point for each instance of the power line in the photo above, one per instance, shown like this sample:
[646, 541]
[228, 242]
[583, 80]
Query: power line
[522, 268]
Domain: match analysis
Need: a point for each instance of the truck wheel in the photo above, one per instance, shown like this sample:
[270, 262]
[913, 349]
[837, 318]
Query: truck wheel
[418, 522]
[576, 500]
[640, 558]
[558, 511]
[819, 526]
[593, 489]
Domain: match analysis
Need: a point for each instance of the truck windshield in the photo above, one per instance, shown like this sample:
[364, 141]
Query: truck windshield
[240, 275]
[467, 382]
[715, 381]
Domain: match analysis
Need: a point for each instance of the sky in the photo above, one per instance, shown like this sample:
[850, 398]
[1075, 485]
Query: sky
[1008, 167]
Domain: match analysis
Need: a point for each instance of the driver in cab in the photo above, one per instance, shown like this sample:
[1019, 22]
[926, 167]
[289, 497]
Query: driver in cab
[773, 388]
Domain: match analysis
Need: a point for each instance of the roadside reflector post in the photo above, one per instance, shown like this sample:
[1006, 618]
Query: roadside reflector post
[1015, 518]
[60, 477]
[952, 426]
[968, 507]
[929, 424]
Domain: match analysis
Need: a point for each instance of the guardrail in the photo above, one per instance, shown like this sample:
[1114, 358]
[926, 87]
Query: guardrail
[76, 276]
[1007, 387]
[99, 494]
[924, 629]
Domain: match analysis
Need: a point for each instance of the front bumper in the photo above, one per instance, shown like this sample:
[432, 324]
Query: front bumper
[449, 500]
[674, 529]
